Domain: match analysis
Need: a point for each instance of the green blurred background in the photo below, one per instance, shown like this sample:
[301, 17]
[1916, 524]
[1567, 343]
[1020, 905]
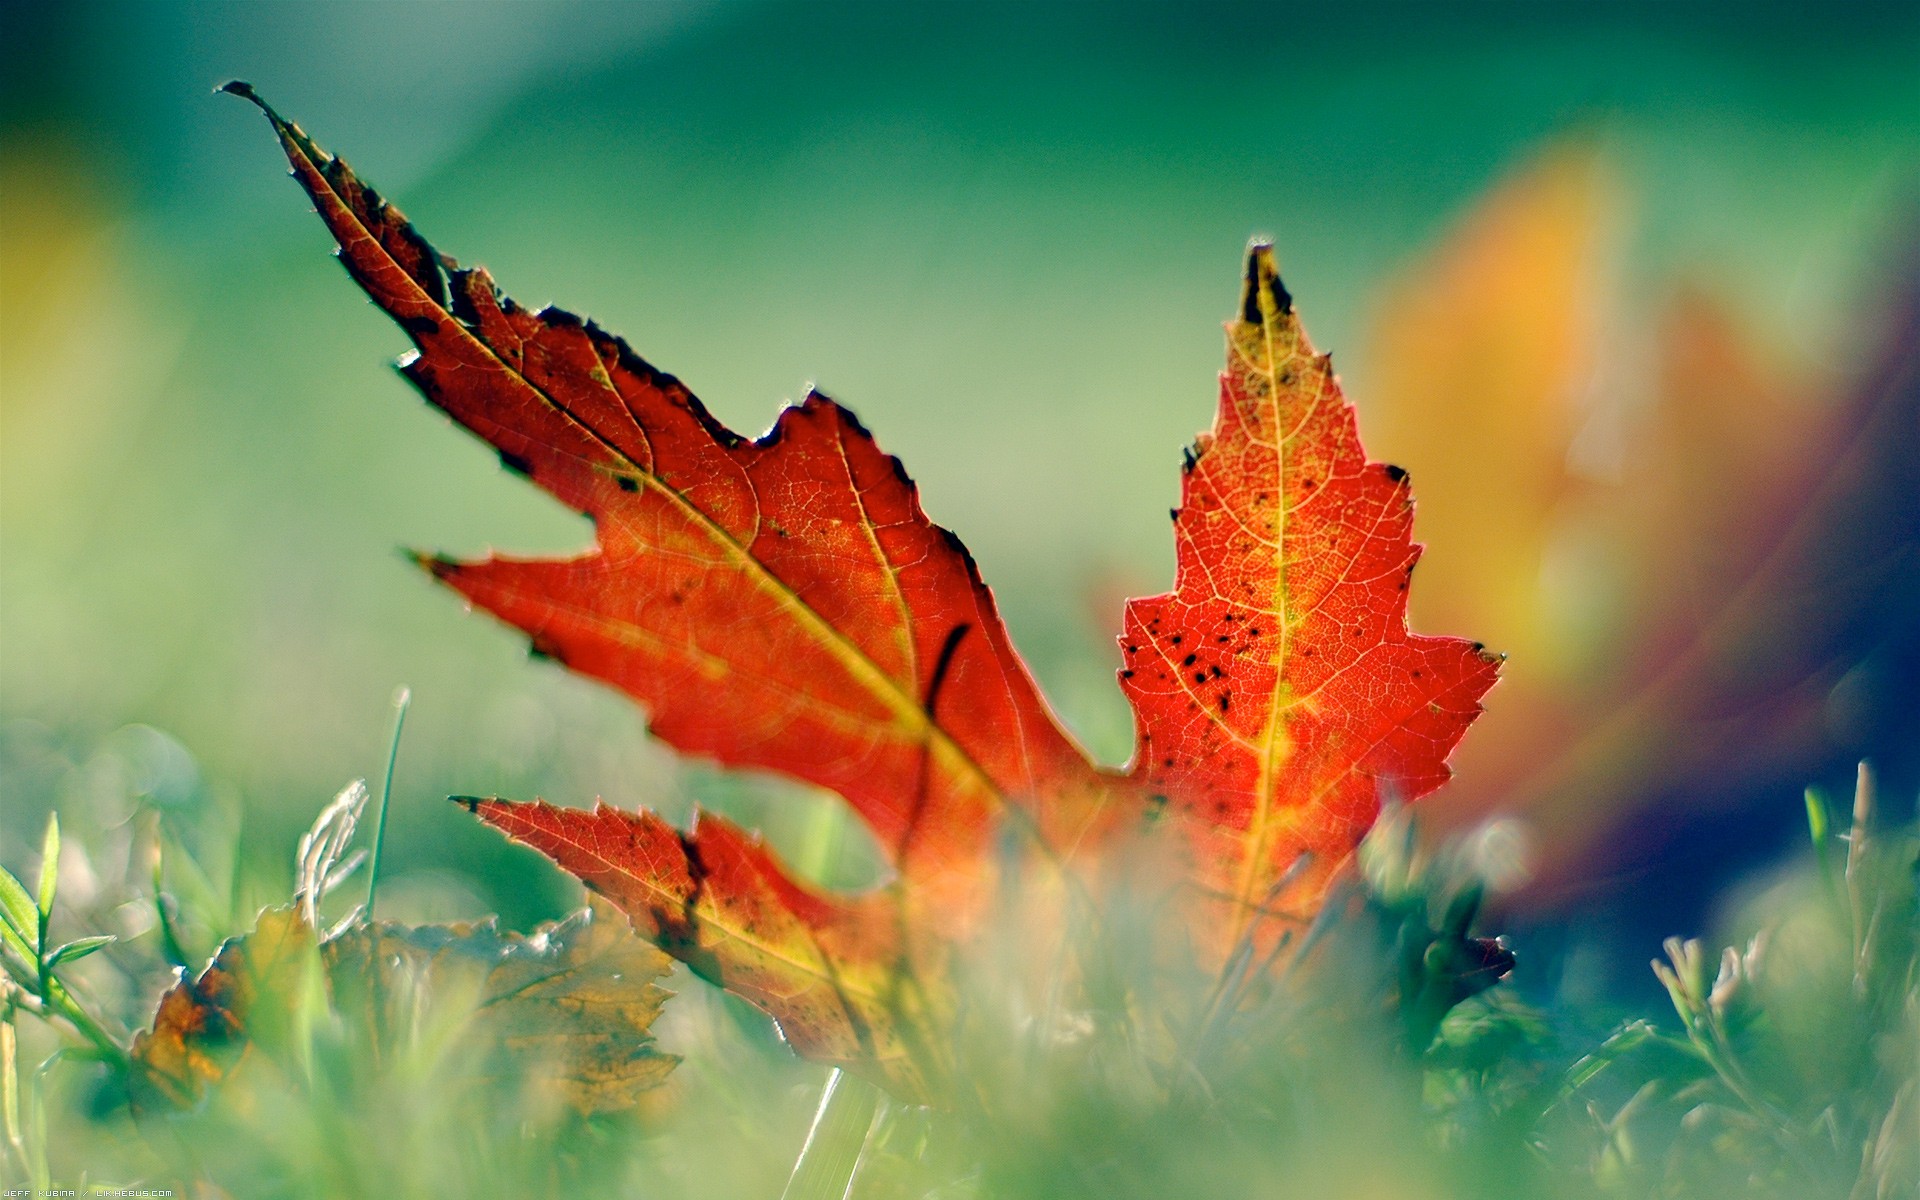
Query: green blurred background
[1005, 235]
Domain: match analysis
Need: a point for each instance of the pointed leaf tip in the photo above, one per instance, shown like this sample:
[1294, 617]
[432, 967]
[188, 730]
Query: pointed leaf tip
[437, 565]
[49, 871]
[1262, 278]
[244, 90]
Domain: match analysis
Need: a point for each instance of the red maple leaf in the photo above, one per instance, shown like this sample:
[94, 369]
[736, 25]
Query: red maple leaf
[783, 603]
[1277, 695]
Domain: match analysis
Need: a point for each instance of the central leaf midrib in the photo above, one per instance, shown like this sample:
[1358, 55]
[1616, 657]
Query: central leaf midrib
[1252, 871]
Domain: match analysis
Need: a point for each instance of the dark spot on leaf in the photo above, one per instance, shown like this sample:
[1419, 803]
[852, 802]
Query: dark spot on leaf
[420, 325]
[1226, 701]
[627, 483]
[1188, 660]
[518, 464]
[1395, 473]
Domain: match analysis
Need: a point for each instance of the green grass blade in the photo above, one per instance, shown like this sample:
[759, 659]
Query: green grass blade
[49, 871]
[401, 700]
[1817, 824]
[10, 1091]
[1623, 1041]
[824, 1170]
[170, 946]
[22, 920]
[77, 949]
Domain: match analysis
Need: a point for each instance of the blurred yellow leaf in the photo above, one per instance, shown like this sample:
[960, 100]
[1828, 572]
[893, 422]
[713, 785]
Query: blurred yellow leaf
[1479, 362]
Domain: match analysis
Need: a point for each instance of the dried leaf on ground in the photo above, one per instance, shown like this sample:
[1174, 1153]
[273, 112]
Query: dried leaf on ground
[568, 1009]
[244, 1001]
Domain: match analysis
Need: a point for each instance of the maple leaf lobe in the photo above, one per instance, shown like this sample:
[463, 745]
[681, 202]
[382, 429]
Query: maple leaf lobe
[777, 603]
[832, 970]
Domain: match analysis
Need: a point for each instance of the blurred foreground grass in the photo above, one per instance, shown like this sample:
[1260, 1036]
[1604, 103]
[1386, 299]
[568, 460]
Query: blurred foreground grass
[1004, 234]
[1384, 1060]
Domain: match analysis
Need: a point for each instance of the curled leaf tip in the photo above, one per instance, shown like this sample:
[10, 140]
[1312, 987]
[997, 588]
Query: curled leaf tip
[1262, 278]
[244, 90]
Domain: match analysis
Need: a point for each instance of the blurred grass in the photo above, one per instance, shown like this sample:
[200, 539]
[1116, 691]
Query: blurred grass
[1792, 1072]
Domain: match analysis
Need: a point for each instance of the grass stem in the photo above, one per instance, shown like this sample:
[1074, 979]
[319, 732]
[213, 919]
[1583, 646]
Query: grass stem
[401, 700]
[836, 1141]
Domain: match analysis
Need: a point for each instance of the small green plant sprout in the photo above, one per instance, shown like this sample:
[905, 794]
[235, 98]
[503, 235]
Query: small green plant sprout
[1426, 904]
[33, 962]
[32, 984]
[1808, 1039]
